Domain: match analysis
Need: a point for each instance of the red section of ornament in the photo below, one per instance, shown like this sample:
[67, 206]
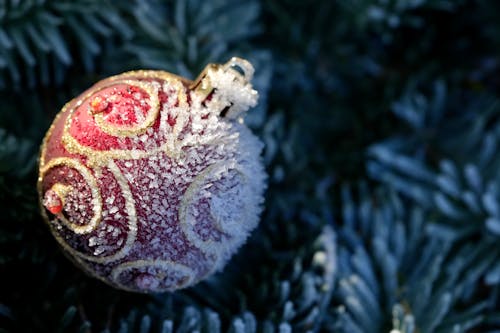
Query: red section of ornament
[121, 106]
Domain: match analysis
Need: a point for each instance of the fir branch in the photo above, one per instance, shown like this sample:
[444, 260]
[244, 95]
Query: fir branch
[455, 175]
[41, 39]
[183, 36]
[393, 272]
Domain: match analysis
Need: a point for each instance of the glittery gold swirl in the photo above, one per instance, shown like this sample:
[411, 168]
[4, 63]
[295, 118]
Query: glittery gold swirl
[167, 267]
[92, 183]
[209, 246]
[129, 206]
[100, 157]
[154, 110]
[62, 191]
[149, 74]
[106, 158]
[177, 82]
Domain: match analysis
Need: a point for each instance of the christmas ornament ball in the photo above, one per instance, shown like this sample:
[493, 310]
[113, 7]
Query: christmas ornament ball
[149, 181]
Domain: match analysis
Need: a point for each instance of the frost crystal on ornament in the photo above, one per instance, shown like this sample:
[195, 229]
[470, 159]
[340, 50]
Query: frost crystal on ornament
[149, 181]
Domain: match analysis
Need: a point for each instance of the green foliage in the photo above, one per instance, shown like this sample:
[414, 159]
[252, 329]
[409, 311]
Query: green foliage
[395, 270]
[399, 97]
[40, 40]
[457, 175]
[186, 35]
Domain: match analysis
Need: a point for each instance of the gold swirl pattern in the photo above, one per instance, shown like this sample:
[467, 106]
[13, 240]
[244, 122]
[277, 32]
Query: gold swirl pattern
[154, 110]
[238, 214]
[101, 158]
[97, 201]
[96, 196]
[160, 275]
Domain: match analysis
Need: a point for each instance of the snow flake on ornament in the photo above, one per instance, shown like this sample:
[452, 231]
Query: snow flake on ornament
[149, 181]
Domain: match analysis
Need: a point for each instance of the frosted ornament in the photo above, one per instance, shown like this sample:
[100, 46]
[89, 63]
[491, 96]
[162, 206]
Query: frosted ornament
[149, 181]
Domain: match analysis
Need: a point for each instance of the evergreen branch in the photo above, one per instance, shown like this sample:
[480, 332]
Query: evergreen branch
[184, 36]
[39, 38]
[392, 271]
[463, 186]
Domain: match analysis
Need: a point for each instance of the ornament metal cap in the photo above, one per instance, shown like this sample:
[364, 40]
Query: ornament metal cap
[239, 72]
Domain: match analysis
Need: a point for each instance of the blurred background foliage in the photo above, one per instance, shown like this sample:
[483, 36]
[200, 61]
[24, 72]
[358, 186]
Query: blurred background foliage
[381, 121]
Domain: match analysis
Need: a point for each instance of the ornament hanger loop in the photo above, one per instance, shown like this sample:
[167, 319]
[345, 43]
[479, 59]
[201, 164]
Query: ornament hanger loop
[243, 65]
